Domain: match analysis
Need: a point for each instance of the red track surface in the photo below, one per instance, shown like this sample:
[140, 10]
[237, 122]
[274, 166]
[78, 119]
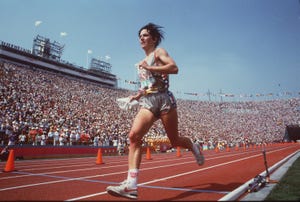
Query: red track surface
[165, 177]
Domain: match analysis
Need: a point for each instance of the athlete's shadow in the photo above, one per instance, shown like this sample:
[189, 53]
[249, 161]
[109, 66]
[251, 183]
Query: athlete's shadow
[207, 188]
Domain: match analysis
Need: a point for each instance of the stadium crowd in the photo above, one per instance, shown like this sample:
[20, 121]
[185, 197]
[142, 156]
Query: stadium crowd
[40, 107]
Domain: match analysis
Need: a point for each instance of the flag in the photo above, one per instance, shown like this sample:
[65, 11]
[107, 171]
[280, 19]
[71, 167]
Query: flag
[130, 82]
[37, 23]
[63, 34]
[195, 94]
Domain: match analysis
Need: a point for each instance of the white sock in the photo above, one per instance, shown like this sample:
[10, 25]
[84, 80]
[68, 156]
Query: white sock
[132, 178]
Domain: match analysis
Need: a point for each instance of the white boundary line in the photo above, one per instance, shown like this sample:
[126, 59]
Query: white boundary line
[178, 175]
[235, 194]
[113, 166]
[149, 182]
[87, 196]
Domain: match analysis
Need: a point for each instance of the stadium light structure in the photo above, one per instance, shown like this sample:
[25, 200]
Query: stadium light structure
[100, 66]
[43, 47]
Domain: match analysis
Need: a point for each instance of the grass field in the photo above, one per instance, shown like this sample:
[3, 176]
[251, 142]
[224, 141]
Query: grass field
[288, 189]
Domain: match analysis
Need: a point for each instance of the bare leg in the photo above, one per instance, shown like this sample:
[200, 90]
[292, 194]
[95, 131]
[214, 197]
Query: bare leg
[170, 122]
[141, 125]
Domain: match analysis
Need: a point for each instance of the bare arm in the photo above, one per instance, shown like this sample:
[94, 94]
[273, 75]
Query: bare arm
[165, 64]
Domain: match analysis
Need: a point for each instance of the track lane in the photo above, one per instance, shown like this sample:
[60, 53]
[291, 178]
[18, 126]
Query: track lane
[187, 182]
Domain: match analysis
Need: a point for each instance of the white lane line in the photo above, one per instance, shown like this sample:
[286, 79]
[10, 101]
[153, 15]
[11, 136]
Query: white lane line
[157, 180]
[114, 166]
[166, 178]
[65, 179]
[178, 175]
[87, 196]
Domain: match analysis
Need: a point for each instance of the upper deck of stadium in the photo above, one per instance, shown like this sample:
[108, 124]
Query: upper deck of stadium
[19, 55]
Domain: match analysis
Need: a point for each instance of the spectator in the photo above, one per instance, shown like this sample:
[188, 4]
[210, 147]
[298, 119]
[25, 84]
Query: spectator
[56, 137]
[96, 141]
[50, 136]
[43, 139]
[4, 154]
[77, 138]
[22, 139]
[31, 97]
[72, 138]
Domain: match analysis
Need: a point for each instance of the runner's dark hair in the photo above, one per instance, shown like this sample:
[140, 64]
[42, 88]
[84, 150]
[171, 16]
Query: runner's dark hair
[155, 31]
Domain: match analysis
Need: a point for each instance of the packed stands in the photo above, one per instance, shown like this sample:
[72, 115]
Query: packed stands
[40, 107]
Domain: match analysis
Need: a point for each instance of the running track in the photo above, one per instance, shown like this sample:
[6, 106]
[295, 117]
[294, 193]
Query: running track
[165, 177]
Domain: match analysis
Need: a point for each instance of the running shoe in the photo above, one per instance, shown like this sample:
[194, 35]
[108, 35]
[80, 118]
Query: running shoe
[198, 154]
[122, 190]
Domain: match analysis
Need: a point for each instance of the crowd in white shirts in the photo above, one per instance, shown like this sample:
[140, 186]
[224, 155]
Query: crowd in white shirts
[39, 107]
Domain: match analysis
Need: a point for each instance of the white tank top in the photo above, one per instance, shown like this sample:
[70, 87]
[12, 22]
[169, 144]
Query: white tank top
[150, 80]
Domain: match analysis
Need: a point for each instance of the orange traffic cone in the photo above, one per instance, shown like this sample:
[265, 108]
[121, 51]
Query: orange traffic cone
[178, 154]
[236, 148]
[148, 155]
[10, 164]
[99, 157]
[217, 149]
